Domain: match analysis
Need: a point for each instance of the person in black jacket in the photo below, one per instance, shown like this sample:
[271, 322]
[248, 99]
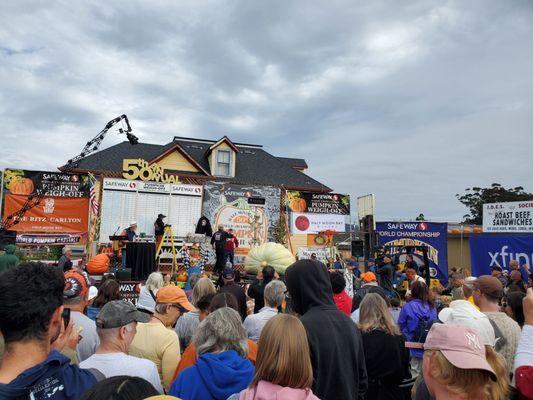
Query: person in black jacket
[218, 241]
[335, 342]
[159, 229]
[256, 290]
[386, 358]
[385, 270]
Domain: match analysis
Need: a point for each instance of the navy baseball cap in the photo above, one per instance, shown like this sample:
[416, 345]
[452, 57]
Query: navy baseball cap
[228, 273]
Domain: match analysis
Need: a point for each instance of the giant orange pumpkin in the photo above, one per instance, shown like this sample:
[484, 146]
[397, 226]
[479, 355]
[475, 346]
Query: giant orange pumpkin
[23, 186]
[297, 204]
[99, 264]
[182, 277]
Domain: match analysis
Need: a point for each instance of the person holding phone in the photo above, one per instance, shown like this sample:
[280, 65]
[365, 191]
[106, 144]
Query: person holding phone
[76, 299]
[35, 329]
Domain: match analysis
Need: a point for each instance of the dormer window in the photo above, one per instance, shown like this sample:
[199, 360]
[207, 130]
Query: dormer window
[222, 157]
[223, 167]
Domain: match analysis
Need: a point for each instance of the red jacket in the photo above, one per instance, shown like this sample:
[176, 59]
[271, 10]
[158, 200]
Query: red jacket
[343, 302]
[231, 243]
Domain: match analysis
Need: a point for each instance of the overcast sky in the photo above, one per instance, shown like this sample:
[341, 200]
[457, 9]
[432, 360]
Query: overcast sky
[413, 100]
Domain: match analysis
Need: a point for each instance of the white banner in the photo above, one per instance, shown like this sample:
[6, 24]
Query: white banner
[516, 216]
[189, 190]
[120, 184]
[322, 253]
[316, 223]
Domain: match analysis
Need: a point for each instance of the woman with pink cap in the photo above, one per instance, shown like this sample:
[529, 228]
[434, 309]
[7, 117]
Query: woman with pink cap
[455, 365]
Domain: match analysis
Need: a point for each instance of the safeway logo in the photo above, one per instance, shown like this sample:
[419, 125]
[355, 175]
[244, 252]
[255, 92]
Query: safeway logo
[423, 226]
[133, 185]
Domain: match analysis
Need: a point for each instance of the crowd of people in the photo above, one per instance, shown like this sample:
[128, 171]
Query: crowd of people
[295, 337]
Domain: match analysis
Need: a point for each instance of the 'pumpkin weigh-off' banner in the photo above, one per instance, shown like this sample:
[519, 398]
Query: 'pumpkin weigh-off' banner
[318, 203]
[60, 218]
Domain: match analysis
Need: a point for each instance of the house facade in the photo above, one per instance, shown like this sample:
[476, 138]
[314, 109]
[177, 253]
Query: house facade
[240, 186]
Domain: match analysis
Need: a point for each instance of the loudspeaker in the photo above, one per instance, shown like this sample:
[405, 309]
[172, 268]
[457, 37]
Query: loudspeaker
[7, 237]
[357, 248]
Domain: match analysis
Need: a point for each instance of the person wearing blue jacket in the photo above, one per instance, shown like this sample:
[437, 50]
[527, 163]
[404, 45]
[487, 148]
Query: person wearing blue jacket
[222, 368]
[415, 318]
[31, 323]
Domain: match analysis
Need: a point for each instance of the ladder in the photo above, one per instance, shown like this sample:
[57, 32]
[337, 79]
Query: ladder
[167, 233]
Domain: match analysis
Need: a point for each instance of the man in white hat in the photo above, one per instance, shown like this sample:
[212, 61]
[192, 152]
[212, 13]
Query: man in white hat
[130, 232]
[464, 313]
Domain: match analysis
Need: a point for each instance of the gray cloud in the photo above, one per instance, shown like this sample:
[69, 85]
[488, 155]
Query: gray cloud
[414, 103]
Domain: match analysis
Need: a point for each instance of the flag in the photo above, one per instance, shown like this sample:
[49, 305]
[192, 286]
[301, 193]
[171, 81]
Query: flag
[93, 200]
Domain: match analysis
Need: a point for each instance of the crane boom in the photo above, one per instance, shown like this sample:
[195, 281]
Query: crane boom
[91, 146]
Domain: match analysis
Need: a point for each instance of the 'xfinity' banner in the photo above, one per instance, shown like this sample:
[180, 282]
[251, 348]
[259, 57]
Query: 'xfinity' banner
[433, 235]
[488, 251]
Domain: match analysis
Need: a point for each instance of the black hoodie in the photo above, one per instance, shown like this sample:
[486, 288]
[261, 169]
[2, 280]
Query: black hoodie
[335, 342]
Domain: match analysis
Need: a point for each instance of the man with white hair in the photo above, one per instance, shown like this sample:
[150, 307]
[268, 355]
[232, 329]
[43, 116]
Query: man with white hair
[116, 325]
[468, 290]
[274, 296]
[65, 263]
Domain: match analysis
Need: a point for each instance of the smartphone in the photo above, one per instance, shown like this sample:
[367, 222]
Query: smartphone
[65, 315]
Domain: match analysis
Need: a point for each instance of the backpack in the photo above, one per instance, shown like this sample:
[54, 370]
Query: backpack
[422, 329]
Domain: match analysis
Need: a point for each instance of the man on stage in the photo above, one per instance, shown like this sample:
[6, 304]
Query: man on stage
[218, 241]
[159, 229]
[131, 234]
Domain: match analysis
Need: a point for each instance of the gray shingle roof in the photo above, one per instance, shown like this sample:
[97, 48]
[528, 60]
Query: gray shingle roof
[294, 162]
[254, 165]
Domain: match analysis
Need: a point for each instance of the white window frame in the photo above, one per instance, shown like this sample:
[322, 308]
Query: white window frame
[218, 162]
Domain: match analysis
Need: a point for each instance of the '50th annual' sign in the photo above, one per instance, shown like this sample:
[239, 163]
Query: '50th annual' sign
[140, 169]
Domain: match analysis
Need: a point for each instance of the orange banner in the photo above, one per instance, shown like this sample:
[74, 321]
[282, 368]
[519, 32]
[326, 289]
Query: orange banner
[315, 240]
[53, 215]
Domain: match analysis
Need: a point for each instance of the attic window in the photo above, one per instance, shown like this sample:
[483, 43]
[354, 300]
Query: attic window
[223, 163]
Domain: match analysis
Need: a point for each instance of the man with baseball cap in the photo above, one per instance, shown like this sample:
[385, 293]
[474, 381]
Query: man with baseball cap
[370, 285]
[228, 276]
[463, 348]
[156, 340]
[76, 297]
[488, 291]
[116, 323]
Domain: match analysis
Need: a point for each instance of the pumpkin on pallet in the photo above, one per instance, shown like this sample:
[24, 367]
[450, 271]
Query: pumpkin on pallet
[98, 265]
[274, 254]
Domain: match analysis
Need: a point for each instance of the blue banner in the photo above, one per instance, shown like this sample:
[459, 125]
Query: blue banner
[488, 251]
[431, 234]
